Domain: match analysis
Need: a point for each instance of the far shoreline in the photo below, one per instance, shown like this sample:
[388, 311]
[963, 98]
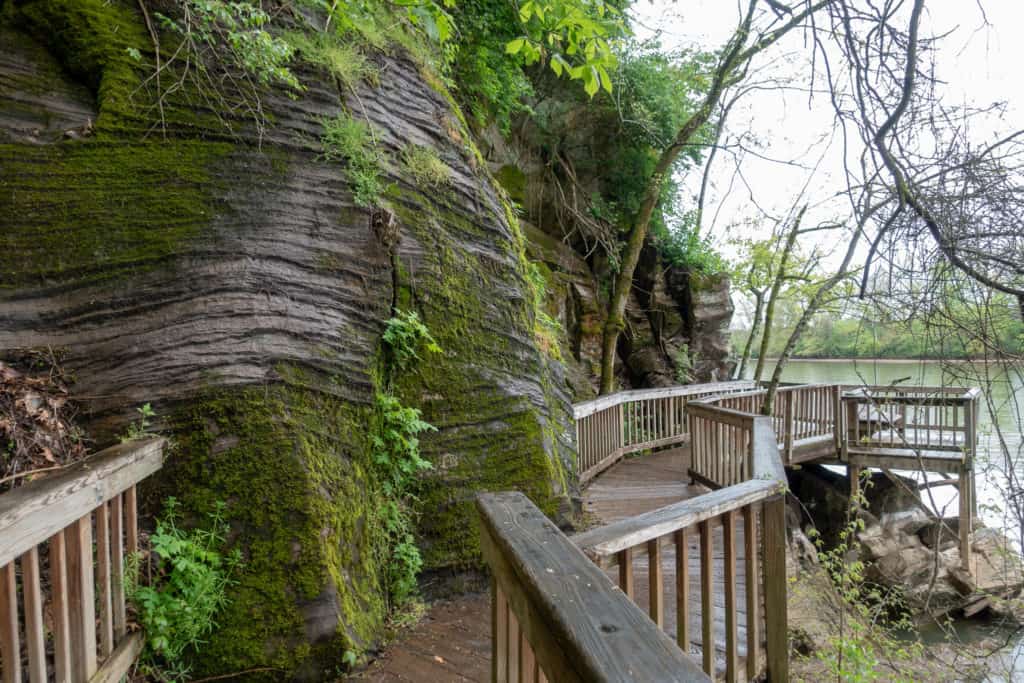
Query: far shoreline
[880, 360]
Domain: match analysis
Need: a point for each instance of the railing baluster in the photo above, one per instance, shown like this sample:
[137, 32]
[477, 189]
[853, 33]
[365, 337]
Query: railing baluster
[513, 647]
[35, 636]
[750, 551]
[707, 603]
[59, 608]
[499, 634]
[729, 583]
[773, 520]
[656, 582]
[106, 603]
[626, 572]
[81, 599]
[10, 645]
[682, 590]
[527, 662]
[117, 565]
[131, 512]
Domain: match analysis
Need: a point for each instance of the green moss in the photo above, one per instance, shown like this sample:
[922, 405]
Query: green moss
[96, 210]
[493, 436]
[513, 181]
[92, 39]
[291, 463]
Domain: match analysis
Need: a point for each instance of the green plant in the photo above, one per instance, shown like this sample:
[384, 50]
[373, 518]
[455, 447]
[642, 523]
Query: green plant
[684, 365]
[870, 617]
[396, 453]
[140, 428]
[425, 166]
[190, 577]
[404, 334]
[352, 141]
[237, 30]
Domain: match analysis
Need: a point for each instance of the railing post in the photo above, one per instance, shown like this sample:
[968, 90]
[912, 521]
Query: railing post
[774, 568]
[790, 422]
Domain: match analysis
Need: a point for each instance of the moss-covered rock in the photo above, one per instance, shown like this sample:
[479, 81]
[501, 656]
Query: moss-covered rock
[227, 276]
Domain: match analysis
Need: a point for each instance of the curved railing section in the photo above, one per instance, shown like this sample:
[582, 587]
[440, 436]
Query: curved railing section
[613, 426]
[737, 454]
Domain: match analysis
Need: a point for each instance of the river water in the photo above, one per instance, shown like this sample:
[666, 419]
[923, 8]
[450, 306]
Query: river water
[1000, 450]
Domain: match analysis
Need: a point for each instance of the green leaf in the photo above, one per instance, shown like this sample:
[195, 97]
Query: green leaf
[514, 46]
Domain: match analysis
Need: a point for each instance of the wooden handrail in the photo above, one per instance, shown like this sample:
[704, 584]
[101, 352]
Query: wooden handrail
[581, 410]
[556, 616]
[85, 518]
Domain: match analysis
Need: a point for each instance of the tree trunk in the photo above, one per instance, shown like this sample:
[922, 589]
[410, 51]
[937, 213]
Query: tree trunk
[780, 277]
[755, 327]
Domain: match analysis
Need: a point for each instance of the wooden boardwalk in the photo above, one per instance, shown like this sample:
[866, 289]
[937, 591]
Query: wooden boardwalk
[638, 485]
[453, 642]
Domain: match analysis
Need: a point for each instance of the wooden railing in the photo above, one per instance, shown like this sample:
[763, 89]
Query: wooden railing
[802, 414]
[721, 443]
[610, 427]
[82, 521]
[555, 616]
[932, 429]
[759, 496]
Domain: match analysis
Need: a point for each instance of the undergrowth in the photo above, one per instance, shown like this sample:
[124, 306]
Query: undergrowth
[864, 647]
[425, 166]
[350, 140]
[188, 576]
[396, 455]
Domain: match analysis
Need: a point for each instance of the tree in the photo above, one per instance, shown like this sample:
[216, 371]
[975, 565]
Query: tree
[745, 43]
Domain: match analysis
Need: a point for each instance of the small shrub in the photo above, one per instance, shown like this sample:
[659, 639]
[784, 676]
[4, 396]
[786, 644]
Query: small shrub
[351, 140]
[140, 428]
[190, 577]
[235, 29]
[425, 166]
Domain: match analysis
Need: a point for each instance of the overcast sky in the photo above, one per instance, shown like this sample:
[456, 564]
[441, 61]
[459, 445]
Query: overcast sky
[980, 64]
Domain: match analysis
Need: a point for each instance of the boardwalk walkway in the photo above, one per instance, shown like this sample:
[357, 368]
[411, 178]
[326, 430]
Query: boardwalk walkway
[453, 642]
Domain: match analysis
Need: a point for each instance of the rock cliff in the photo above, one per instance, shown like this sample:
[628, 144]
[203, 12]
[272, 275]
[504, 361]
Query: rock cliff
[224, 273]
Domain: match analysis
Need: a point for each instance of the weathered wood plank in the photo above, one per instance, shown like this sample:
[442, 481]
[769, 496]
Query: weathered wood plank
[116, 666]
[117, 565]
[656, 588]
[750, 552]
[707, 587]
[580, 626]
[105, 597]
[729, 585]
[682, 590]
[773, 524]
[34, 512]
[626, 572]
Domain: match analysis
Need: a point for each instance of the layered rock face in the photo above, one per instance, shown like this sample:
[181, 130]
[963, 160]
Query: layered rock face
[228, 277]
